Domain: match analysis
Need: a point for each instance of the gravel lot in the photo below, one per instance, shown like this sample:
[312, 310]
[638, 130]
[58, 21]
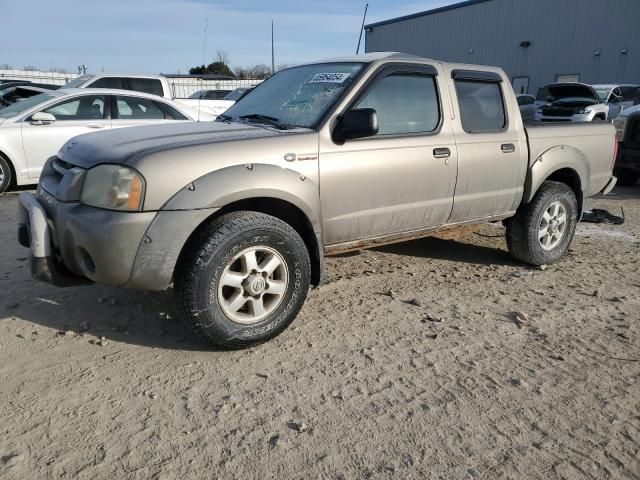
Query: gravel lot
[473, 366]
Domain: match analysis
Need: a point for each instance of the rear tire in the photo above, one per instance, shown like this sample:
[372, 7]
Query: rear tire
[243, 279]
[6, 175]
[541, 231]
[626, 177]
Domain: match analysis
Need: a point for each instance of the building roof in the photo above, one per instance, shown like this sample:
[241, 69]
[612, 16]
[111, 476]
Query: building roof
[426, 12]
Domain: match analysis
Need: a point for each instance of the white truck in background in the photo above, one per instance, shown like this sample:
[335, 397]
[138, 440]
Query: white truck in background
[154, 84]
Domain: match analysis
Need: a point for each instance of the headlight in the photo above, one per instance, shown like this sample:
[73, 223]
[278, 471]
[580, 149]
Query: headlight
[584, 111]
[114, 187]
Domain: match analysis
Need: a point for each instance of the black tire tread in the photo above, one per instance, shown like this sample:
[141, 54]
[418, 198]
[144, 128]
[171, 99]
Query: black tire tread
[519, 226]
[206, 241]
[6, 167]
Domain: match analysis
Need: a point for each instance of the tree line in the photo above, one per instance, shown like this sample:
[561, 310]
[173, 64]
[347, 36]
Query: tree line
[221, 66]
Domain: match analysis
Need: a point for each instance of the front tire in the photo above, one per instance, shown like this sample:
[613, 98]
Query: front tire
[6, 175]
[243, 279]
[541, 231]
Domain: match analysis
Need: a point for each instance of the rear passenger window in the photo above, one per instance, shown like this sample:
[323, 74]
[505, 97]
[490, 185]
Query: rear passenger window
[481, 106]
[146, 85]
[133, 108]
[405, 103]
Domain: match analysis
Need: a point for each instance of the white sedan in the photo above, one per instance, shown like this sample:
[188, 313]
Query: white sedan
[34, 129]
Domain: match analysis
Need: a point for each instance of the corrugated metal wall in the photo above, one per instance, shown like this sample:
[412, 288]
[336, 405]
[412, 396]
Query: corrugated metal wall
[564, 34]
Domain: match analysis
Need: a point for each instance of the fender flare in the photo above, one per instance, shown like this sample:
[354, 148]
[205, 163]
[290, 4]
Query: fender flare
[550, 161]
[241, 182]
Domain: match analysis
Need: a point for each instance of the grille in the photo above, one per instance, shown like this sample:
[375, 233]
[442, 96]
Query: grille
[558, 112]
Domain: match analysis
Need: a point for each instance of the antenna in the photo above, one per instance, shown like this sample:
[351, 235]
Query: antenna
[273, 55]
[362, 27]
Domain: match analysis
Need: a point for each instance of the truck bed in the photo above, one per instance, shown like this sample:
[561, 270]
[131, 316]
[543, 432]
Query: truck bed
[548, 143]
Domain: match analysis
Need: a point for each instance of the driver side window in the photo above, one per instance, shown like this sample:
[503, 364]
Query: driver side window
[406, 103]
[86, 107]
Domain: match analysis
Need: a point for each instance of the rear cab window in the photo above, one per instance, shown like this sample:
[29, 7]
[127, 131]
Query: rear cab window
[481, 102]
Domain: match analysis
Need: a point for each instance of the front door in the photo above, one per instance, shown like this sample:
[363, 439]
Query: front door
[74, 116]
[401, 179]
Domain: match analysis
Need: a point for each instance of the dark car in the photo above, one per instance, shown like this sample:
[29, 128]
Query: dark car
[627, 167]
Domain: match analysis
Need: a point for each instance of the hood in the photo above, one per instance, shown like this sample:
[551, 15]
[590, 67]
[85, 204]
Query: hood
[120, 144]
[572, 90]
[627, 112]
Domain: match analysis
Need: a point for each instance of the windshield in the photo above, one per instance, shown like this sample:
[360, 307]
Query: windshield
[77, 82]
[296, 97]
[24, 105]
[603, 94]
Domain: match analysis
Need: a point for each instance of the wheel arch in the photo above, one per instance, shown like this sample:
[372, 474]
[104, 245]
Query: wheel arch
[563, 164]
[282, 210]
[14, 178]
[283, 193]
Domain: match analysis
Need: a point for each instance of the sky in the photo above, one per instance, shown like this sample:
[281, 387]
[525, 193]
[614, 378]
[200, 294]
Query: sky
[166, 36]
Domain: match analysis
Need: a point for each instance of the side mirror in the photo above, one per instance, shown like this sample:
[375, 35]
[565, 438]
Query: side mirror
[359, 123]
[42, 118]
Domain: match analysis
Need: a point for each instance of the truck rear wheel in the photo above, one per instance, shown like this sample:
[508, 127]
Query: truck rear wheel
[541, 231]
[243, 279]
[6, 176]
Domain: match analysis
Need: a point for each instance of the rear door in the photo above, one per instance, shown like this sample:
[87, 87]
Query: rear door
[74, 116]
[401, 179]
[492, 149]
[130, 110]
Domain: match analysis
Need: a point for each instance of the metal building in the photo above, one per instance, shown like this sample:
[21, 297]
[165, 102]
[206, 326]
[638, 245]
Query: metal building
[535, 41]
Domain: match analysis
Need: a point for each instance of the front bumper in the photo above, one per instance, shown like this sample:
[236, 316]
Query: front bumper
[73, 244]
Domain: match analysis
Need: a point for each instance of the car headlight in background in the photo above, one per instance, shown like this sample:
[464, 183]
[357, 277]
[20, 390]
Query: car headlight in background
[114, 187]
[584, 111]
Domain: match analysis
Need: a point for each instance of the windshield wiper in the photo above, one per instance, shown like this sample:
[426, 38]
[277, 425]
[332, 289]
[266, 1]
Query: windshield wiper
[224, 117]
[264, 118]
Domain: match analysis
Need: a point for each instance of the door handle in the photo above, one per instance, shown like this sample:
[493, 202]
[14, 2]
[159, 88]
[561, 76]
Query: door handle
[95, 125]
[441, 152]
[508, 148]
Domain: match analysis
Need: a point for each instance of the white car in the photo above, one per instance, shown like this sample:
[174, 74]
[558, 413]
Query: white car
[218, 106]
[159, 85]
[35, 128]
[619, 96]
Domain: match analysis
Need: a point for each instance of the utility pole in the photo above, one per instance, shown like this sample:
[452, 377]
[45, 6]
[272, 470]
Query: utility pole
[362, 27]
[273, 54]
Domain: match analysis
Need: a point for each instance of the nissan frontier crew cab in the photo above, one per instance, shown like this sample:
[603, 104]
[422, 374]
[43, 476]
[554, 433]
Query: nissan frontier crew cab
[336, 155]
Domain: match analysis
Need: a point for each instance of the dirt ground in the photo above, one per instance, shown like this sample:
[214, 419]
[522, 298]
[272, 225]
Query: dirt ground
[494, 370]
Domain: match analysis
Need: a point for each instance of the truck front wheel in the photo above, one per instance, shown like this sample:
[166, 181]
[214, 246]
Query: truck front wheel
[541, 230]
[242, 279]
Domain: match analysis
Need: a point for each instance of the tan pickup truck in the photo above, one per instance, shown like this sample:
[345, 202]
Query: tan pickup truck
[321, 158]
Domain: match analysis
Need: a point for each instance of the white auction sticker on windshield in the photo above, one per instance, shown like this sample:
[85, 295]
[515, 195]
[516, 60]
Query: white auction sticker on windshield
[335, 77]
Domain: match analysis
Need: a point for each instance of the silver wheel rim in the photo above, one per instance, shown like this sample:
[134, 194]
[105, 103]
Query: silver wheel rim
[553, 224]
[1, 175]
[253, 285]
